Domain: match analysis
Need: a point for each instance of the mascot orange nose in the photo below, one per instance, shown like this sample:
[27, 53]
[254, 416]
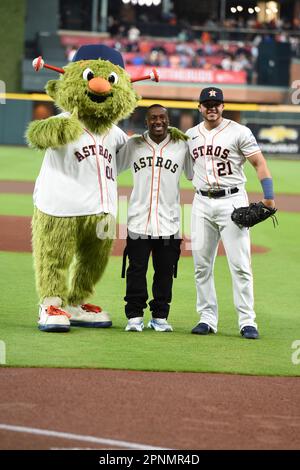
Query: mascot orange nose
[99, 85]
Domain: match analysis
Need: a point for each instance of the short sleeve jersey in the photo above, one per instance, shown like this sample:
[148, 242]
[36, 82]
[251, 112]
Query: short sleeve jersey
[219, 154]
[154, 206]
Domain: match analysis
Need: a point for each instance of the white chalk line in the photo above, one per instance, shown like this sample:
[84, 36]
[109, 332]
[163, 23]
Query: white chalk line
[78, 437]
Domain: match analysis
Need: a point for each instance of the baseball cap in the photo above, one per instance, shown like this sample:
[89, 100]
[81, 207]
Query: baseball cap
[211, 94]
[99, 51]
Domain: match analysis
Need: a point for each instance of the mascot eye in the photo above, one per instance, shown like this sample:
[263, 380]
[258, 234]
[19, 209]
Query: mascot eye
[113, 78]
[88, 74]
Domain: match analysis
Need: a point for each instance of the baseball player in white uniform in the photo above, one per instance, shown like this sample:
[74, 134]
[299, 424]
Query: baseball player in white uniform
[219, 148]
[156, 161]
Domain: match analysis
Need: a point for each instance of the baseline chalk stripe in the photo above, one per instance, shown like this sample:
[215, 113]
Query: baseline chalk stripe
[79, 437]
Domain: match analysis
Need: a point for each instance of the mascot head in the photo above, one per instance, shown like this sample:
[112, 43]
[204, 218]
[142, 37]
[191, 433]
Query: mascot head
[96, 84]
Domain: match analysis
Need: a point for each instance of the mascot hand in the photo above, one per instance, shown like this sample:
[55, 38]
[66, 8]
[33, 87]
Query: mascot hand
[176, 134]
[54, 131]
[74, 114]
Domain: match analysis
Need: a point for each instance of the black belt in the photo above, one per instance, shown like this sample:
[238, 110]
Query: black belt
[216, 194]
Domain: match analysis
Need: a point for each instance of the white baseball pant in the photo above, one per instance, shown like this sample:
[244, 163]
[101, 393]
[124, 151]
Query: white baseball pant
[211, 222]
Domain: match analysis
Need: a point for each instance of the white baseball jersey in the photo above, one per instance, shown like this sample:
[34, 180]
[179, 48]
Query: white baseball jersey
[220, 153]
[80, 178]
[154, 206]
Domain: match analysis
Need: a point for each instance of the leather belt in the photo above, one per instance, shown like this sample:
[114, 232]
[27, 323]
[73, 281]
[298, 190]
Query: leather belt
[220, 193]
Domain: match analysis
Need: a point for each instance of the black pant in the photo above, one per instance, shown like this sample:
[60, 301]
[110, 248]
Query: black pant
[165, 255]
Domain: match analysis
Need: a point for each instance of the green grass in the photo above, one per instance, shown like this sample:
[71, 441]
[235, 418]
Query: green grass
[277, 306]
[285, 174]
[19, 163]
[16, 204]
[23, 164]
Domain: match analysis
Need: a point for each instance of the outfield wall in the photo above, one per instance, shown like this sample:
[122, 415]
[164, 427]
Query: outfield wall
[276, 127]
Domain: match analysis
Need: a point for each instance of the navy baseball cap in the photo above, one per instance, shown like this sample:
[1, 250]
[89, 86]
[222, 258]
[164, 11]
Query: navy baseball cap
[99, 51]
[211, 94]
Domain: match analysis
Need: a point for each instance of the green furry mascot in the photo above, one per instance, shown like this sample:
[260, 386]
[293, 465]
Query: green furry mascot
[75, 195]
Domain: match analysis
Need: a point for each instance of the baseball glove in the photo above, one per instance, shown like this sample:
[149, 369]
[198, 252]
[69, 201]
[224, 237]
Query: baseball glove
[253, 214]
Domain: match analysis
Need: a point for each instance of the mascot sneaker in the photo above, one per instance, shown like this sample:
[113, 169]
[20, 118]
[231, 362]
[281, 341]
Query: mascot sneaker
[89, 316]
[135, 324]
[53, 319]
[159, 324]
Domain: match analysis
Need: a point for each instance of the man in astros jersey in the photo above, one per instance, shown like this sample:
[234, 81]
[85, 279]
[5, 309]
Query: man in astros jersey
[156, 160]
[220, 147]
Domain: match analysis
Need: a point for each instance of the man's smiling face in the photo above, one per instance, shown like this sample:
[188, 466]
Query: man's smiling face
[157, 121]
[211, 110]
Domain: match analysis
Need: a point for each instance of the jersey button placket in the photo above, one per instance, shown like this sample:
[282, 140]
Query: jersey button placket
[103, 184]
[154, 228]
[209, 163]
[104, 180]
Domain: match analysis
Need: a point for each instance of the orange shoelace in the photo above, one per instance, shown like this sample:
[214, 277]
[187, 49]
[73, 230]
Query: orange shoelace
[91, 308]
[51, 310]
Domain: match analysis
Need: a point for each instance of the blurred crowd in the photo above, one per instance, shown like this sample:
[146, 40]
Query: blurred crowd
[232, 45]
[206, 53]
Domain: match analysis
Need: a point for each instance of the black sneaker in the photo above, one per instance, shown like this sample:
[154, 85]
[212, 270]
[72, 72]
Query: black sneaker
[202, 329]
[249, 332]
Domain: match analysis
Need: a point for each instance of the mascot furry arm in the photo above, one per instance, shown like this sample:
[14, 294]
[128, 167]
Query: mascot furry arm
[54, 132]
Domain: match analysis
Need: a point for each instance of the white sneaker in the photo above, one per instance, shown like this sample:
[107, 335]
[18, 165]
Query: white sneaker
[135, 324]
[88, 315]
[159, 324]
[53, 319]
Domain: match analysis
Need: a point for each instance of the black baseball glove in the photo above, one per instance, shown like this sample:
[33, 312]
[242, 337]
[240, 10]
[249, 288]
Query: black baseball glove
[253, 214]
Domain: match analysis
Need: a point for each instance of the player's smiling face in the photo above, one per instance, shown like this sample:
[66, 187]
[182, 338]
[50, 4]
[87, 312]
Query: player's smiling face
[157, 121]
[211, 111]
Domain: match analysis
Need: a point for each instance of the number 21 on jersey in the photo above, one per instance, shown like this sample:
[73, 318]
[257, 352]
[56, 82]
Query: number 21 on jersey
[224, 168]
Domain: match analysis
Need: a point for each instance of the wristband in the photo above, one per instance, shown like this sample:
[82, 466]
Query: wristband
[267, 185]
